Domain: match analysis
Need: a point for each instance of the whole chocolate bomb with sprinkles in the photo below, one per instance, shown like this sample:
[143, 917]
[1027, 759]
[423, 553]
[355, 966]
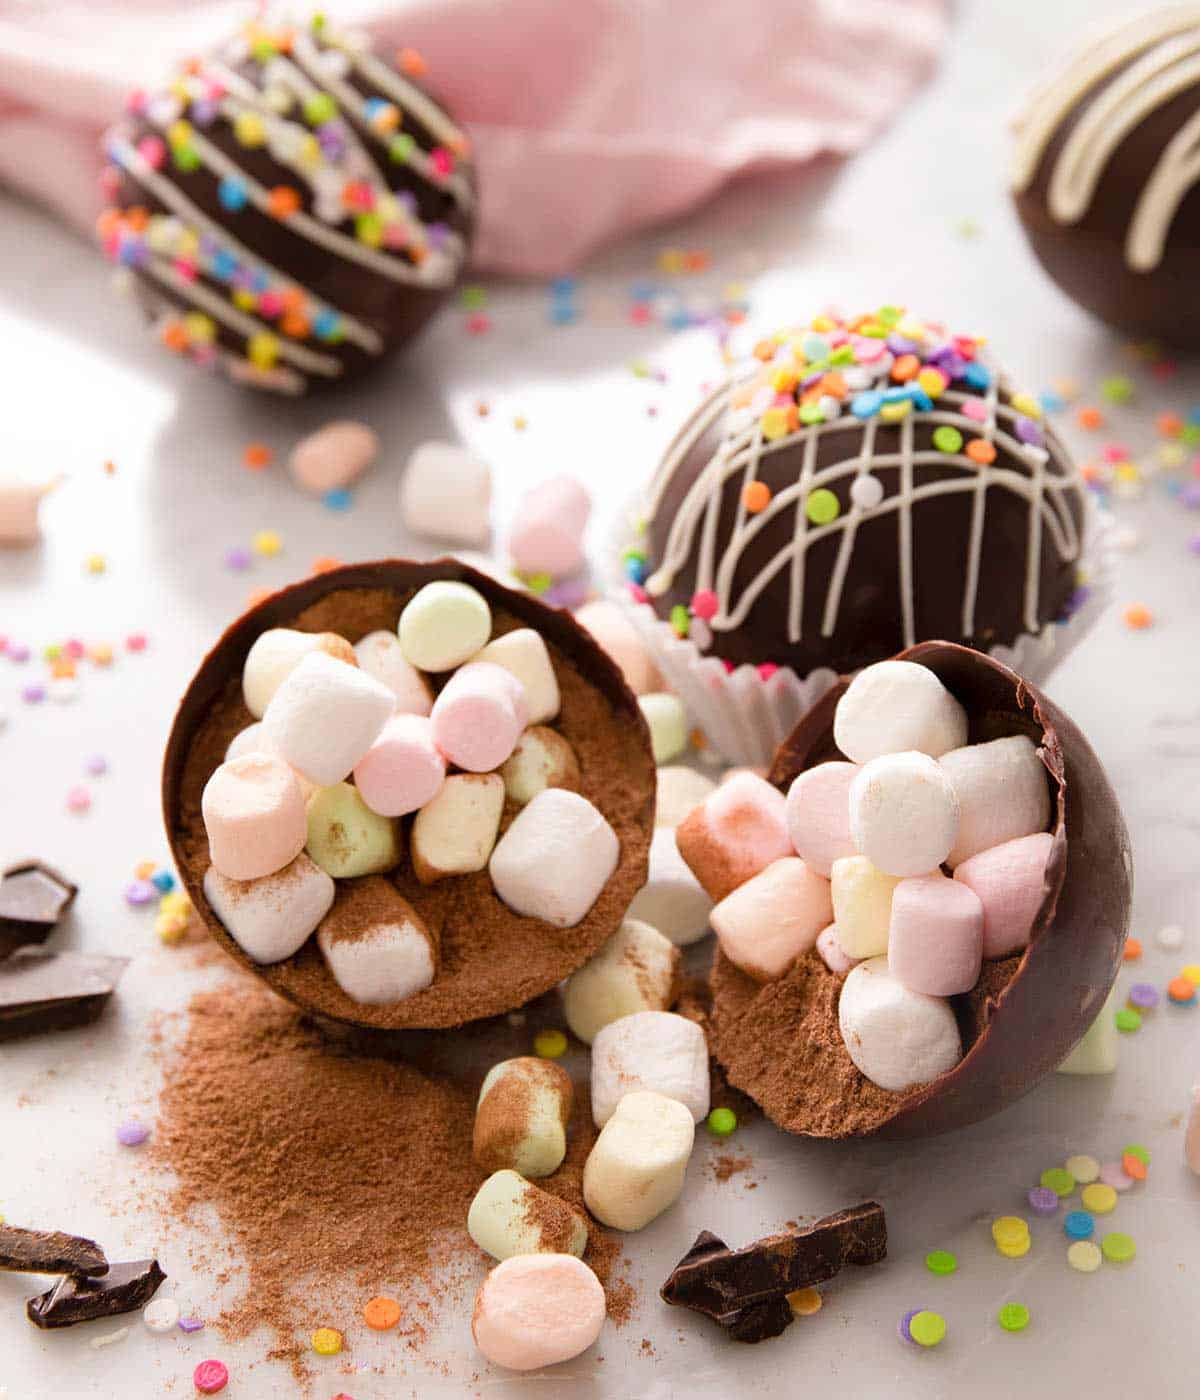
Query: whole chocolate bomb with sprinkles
[290, 209]
[1104, 175]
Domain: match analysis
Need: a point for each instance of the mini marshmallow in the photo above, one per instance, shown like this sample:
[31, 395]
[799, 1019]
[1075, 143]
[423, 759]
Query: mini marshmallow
[347, 839]
[551, 519]
[736, 832]
[667, 721]
[935, 939]
[897, 707]
[248, 740]
[1097, 1052]
[765, 924]
[403, 769]
[862, 906]
[478, 716]
[446, 494]
[325, 716]
[253, 812]
[380, 655]
[637, 1165]
[444, 624]
[818, 815]
[555, 858]
[634, 971]
[523, 653]
[275, 655]
[376, 945]
[896, 1037]
[833, 955]
[1009, 880]
[511, 1216]
[680, 790]
[20, 500]
[454, 833]
[542, 759]
[332, 457]
[521, 1117]
[1002, 794]
[903, 813]
[650, 1050]
[271, 918]
[672, 900]
[616, 635]
[535, 1310]
[1191, 1135]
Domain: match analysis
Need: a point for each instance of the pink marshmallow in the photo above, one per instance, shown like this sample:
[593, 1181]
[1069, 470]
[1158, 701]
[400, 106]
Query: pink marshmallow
[403, 769]
[1009, 881]
[537, 1309]
[765, 924]
[935, 938]
[833, 955]
[479, 716]
[333, 456]
[548, 538]
[616, 635]
[734, 833]
[818, 815]
[253, 809]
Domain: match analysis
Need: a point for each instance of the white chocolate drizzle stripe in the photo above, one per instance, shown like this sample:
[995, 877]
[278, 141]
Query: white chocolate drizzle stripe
[410, 97]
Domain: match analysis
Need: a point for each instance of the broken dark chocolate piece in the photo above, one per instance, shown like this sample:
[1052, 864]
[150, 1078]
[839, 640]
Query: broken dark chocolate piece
[33, 897]
[41, 991]
[49, 1252]
[745, 1290]
[125, 1288]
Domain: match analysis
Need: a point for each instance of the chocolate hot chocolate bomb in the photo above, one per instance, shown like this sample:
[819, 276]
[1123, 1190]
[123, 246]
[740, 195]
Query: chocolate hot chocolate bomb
[492, 959]
[780, 1042]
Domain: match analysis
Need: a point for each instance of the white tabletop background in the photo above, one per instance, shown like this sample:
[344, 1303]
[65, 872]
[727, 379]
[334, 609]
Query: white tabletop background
[82, 383]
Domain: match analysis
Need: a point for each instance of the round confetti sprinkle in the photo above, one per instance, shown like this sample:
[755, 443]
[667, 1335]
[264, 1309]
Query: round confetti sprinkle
[1114, 1174]
[805, 1301]
[163, 881]
[1043, 1201]
[1132, 950]
[822, 507]
[1058, 1180]
[327, 1341]
[941, 1261]
[1181, 990]
[1137, 616]
[1009, 1231]
[33, 694]
[161, 1314]
[210, 1377]
[132, 1133]
[927, 1328]
[237, 558]
[266, 543]
[381, 1314]
[256, 456]
[866, 492]
[136, 641]
[1170, 937]
[191, 1324]
[139, 892]
[1118, 1247]
[1084, 1256]
[550, 1044]
[78, 799]
[1082, 1167]
[1078, 1225]
[1143, 997]
[97, 766]
[904, 1324]
[95, 564]
[1128, 1020]
[1016, 1251]
[947, 439]
[1099, 1198]
[1013, 1317]
[1133, 1167]
[337, 499]
[1135, 1149]
[721, 1122]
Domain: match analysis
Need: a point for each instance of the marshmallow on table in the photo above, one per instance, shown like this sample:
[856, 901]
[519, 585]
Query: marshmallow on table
[253, 812]
[615, 634]
[680, 789]
[818, 815]
[862, 906]
[904, 813]
[542, 759]
[738, 830]
[672, 900]
[555, 858]
[380, 655]
[275, 655]
[19, 503]
[666, 720]
[833, 955]
[521, 1117]
[347, 839]
[1097, 1052]
[634, 971]
[1002, 793]
[897, 707]
[375, 944]
[636, 1167]
[478, 716]
[333, 456]
[1191, 1135]
[935, 939]
[551, 519]
[444, 624]
[272, 917]
[511, 1216]
[896, 1037]
[325, 716]
[1009, 880]
[523, 653]
[535, 1310]
[454, 833]
[403, 769]
[765, 924]
[650, 1050]
[446, 494]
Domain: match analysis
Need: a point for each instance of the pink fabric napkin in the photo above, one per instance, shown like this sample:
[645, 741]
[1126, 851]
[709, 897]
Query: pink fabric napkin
[589, 118]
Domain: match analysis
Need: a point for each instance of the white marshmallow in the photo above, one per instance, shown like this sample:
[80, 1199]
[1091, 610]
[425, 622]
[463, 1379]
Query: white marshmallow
[634, 971]
[616, 635]
[276, 654]
[271, 918]
[1002, 792]
[376, 945]
[454, 834]
[833, 955]
[248, 740]
[542, 759]
[903, 813]
[548, 534]
[524, 655]
[637, 1165]
[896, 1038]
[672, 900]
[346, 838]
[380, 655]
[444, 624]
[650, 1050]
[521, 1117]
[511, 1216]
[446, 493]
[897, 707]
[862, 906]
[325, 716]
[555, 858]
[1097, 1052]
[680, 789]
[667, 721]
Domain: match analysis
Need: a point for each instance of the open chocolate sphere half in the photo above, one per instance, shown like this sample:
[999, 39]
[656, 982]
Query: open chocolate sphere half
[491, 958]
[780, 1042]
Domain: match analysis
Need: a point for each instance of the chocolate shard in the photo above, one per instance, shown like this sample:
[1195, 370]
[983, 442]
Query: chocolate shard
[41, 991]
[33, 897]
[49, 1252]
[761, 1321]
[125, 1288]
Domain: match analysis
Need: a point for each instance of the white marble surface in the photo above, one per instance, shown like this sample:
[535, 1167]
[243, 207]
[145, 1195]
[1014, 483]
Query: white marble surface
[82, 384]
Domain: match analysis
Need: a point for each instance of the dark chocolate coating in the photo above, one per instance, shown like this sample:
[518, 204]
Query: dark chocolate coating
[49, 1252]
[33, 897]
[124, 1289]
[42, 991]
